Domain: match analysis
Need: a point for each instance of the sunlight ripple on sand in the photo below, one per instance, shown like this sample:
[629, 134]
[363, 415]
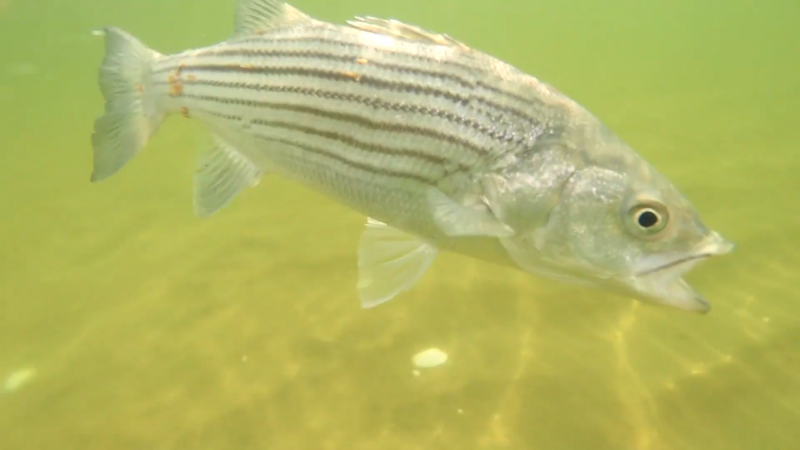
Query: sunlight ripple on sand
[18, 379]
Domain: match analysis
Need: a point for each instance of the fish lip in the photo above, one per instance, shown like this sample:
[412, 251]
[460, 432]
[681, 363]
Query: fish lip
[665, 285]
[668, 288]
[713, 245]
[674, 263]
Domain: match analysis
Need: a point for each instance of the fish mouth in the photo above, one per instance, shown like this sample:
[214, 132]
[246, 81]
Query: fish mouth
[675, 263]
[662, 282]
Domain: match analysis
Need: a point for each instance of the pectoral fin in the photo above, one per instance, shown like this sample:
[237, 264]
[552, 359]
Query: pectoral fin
[389, 262]
[222, 173]
[454, 219]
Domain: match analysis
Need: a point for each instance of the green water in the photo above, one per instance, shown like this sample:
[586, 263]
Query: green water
[151, 329]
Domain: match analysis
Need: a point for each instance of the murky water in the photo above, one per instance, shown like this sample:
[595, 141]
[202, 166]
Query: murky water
[147, 328]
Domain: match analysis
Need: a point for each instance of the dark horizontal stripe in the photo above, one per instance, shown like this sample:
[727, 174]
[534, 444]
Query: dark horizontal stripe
[353, 142]
[266, 39]
[332, 75]
[497, 134]
[321, 152]
[362, 121]
[348, 162]
[345, 139]
[210, 112]
[399, 68]
[310, 54]
[368, 80]
[344, 76]
[263, 39]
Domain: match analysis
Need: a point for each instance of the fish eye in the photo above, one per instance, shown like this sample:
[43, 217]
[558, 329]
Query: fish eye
[650, 217]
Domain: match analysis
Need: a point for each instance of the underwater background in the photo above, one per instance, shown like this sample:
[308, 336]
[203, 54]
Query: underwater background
[127, 323]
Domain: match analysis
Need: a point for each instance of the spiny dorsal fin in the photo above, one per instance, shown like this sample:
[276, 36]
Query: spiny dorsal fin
[253, 16]
[402, 30]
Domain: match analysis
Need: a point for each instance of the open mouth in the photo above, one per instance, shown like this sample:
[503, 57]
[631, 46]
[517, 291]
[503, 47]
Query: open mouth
[713, 245]
[675, 263]
[660, 278]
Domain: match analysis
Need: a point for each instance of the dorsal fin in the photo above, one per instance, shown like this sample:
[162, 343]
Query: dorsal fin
[253, 16]
[402, 30]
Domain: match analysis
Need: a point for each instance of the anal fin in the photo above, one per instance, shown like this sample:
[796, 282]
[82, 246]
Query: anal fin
[389, 262]
[222, 173]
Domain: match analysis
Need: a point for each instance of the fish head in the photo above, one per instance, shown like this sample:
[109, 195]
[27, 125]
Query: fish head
[617, 223]
[664, 238]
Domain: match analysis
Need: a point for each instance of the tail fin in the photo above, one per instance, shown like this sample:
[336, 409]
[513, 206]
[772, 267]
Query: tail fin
[132, 114]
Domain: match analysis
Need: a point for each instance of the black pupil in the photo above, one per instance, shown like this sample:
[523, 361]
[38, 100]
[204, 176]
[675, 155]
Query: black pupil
[648, 219]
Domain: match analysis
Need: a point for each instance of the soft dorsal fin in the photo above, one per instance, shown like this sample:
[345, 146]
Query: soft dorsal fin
[402, 30]
[253, 16]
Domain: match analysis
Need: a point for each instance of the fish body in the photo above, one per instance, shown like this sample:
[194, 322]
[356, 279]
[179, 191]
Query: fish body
[441, 146]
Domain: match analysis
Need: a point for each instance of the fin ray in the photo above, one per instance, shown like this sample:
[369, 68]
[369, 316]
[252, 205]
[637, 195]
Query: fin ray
[389, 262]
[458, 220]
[402, 30]
[223, 172]
[253, 16]
[131, 115]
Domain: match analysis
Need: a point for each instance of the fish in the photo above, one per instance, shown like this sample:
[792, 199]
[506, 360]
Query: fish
[443, 147]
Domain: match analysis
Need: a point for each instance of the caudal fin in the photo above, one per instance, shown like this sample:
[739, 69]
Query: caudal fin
[132, 114]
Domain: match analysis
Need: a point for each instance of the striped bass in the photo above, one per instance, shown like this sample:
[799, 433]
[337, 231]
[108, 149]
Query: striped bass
[442, 147]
